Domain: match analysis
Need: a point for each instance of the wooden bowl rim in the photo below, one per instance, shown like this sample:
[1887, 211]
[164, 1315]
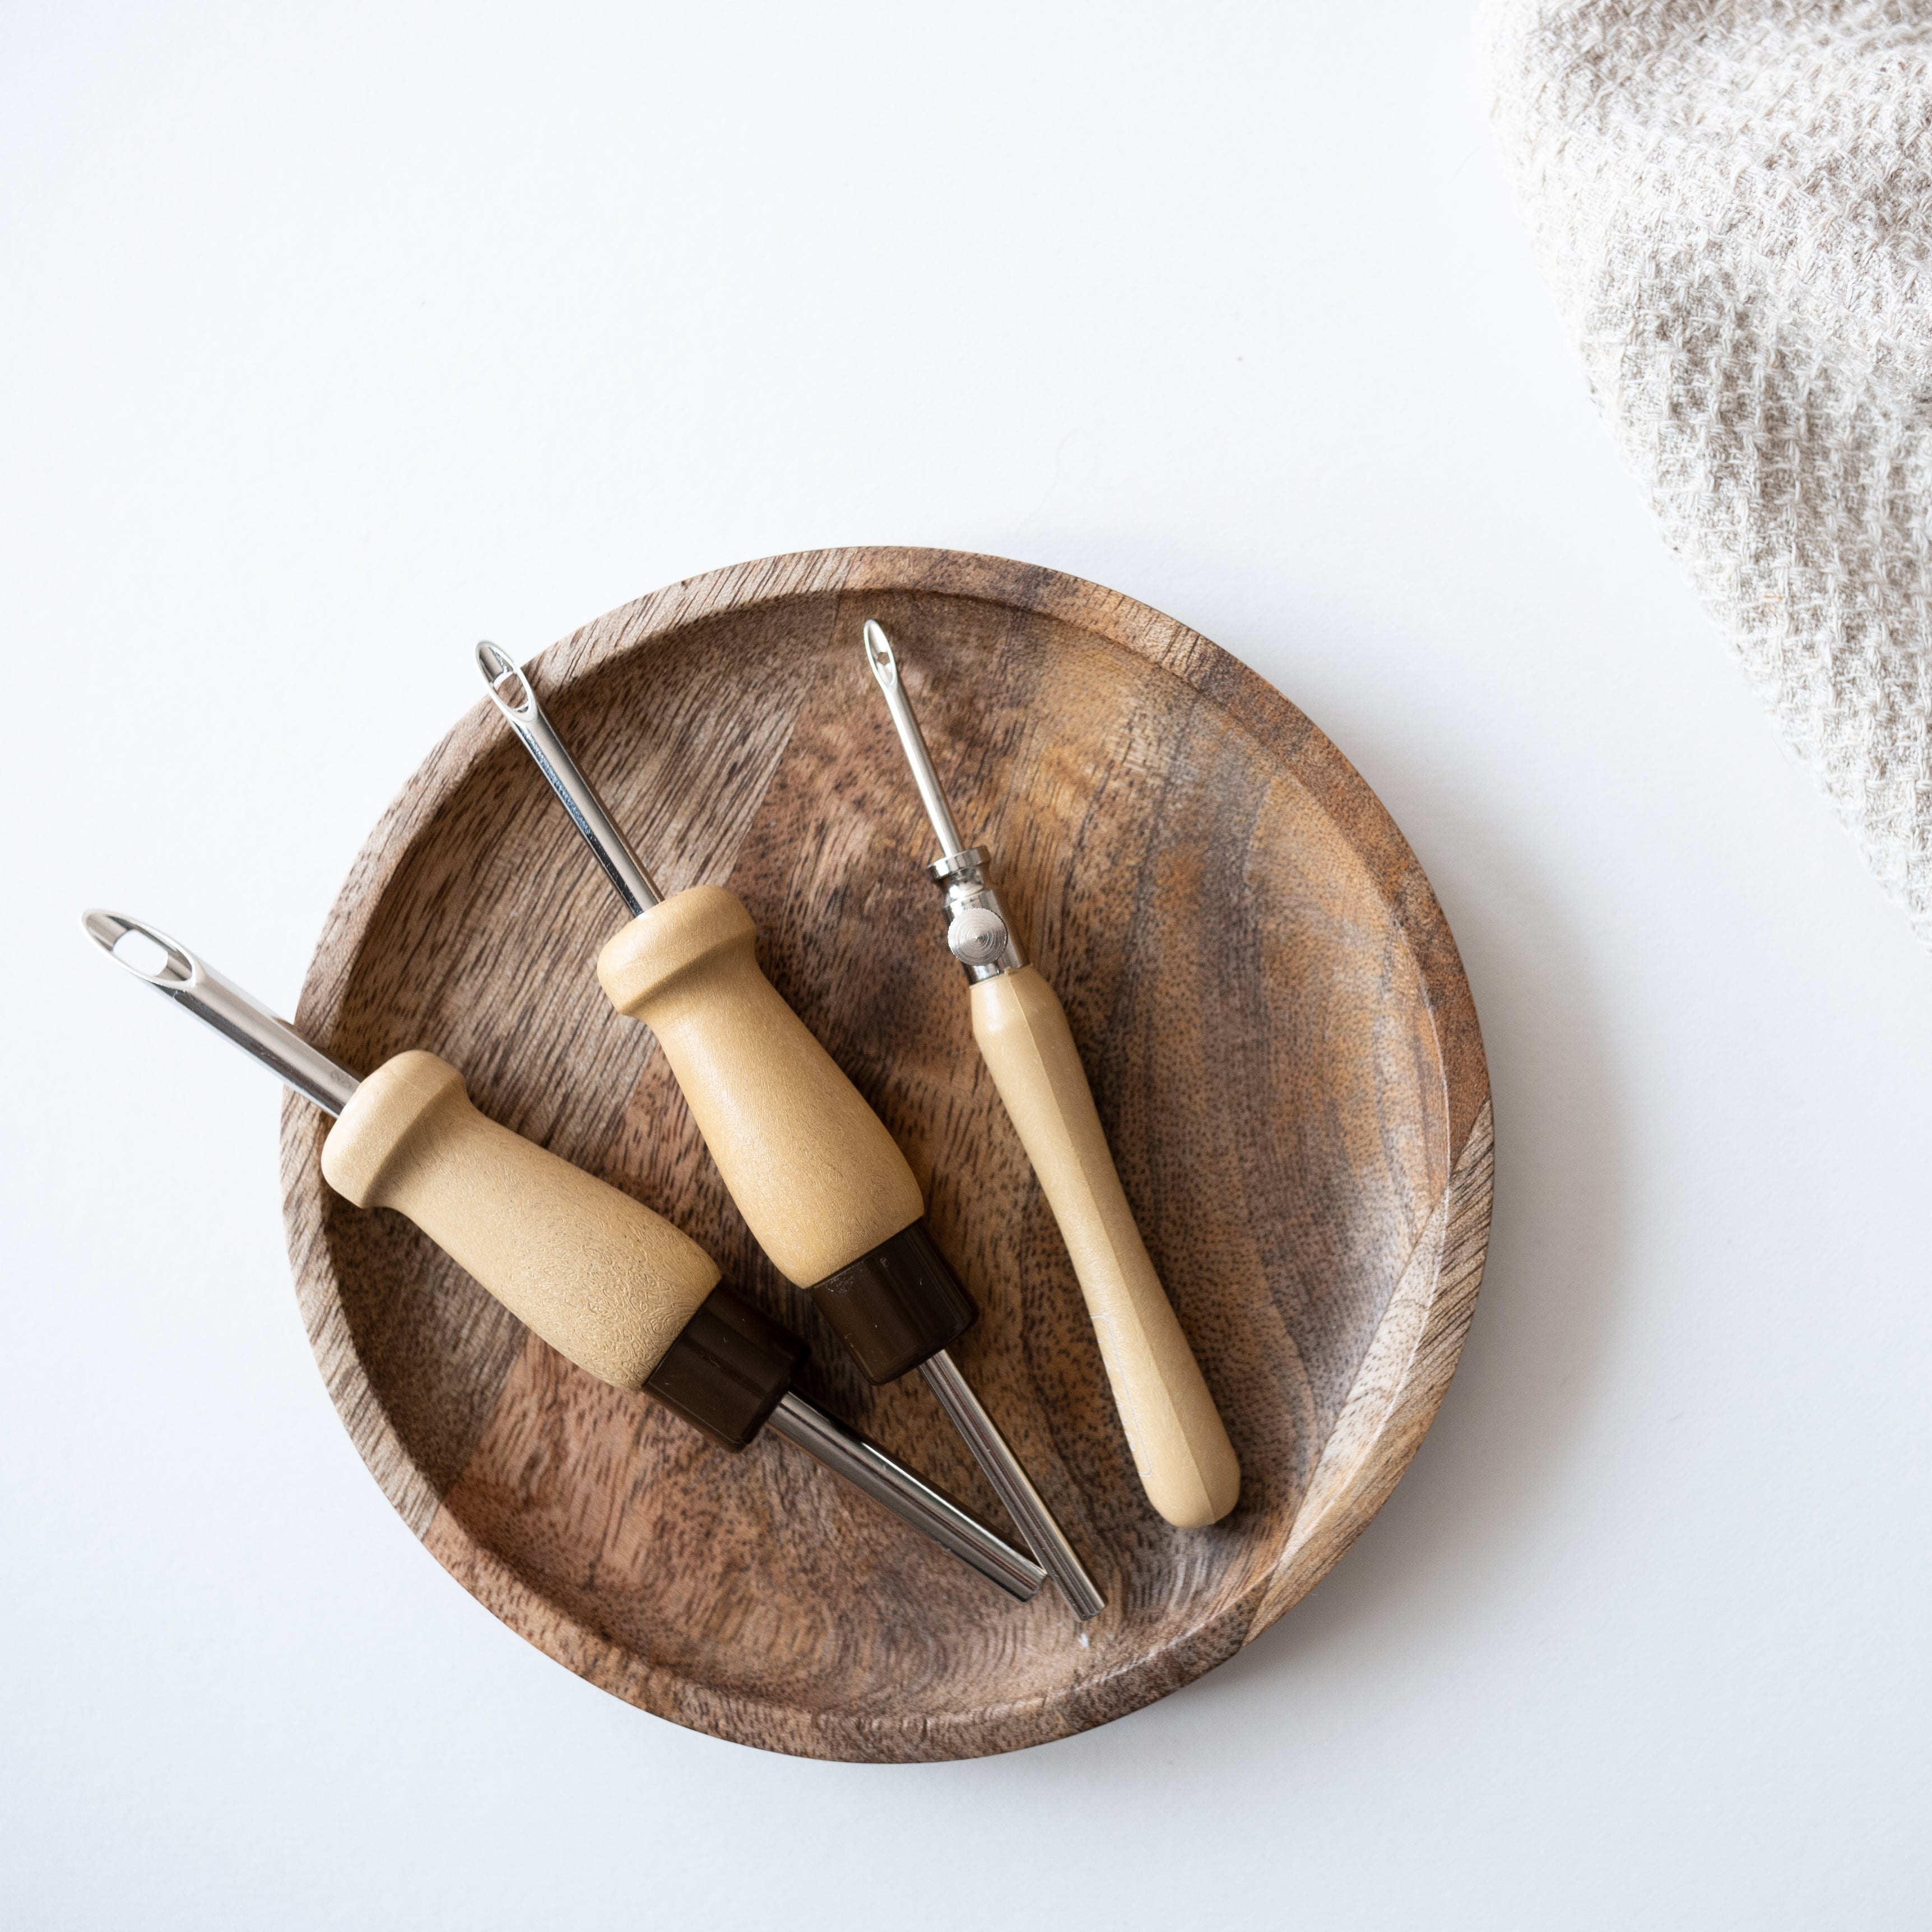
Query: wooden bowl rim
[1397, 1389]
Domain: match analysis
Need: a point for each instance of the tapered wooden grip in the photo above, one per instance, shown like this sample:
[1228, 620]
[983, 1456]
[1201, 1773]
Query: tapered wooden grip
[817, 1178]
[598, 1275]
[1186, 1462]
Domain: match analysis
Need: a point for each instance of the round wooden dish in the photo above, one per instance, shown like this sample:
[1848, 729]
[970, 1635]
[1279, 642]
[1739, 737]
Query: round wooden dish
[1280, 1038]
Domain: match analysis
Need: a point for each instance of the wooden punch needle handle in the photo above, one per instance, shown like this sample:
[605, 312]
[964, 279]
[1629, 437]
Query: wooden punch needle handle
[816, 1177]
[819, 1181]
[1186, 1462]
[599, 1276]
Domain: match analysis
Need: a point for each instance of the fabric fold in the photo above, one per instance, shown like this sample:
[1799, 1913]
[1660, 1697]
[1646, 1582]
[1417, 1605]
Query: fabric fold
[1733, 204]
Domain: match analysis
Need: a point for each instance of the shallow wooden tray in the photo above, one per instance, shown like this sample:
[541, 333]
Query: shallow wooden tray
[1280, 1038]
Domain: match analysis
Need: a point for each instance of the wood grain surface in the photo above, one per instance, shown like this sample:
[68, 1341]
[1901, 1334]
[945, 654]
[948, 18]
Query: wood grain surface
[1280, 1039]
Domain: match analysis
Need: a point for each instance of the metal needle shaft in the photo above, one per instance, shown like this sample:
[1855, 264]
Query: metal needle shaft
[885, 667]
[517, 702]
[235, 1015]
[1015, 1488]
[841, 1447]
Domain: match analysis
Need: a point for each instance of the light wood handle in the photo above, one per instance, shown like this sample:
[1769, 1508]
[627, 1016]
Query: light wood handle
[817, 1178]
[598, 1275]
[1186, 1462]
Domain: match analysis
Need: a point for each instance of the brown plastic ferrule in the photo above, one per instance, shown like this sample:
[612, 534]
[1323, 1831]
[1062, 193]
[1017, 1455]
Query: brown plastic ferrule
[728, 1369]
[897, 1306]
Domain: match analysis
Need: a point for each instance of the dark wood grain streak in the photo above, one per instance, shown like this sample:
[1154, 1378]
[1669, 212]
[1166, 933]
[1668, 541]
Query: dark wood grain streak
[1282, 1044]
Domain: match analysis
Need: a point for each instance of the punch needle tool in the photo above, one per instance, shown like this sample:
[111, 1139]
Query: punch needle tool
[1186, 1464]
[601, 1278]
[820, 1182]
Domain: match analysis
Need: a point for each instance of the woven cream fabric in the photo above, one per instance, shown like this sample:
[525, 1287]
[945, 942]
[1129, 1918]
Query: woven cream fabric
[1734, 205]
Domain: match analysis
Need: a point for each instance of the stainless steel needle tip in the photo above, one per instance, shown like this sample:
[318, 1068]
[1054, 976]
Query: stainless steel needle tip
[517, 702]
[885, 667]
[169, 967]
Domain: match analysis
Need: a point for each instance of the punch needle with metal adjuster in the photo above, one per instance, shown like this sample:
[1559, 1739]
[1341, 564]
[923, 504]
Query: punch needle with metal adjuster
[1180, 1447]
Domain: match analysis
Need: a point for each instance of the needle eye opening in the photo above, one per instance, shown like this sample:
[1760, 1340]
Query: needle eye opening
[879, 654]
[147, 954]
[508, 685]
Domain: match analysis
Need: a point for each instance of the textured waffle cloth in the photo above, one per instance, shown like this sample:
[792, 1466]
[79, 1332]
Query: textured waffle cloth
[1734, 205]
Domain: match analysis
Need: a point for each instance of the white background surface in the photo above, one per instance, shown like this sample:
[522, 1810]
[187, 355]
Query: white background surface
[336, 338]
